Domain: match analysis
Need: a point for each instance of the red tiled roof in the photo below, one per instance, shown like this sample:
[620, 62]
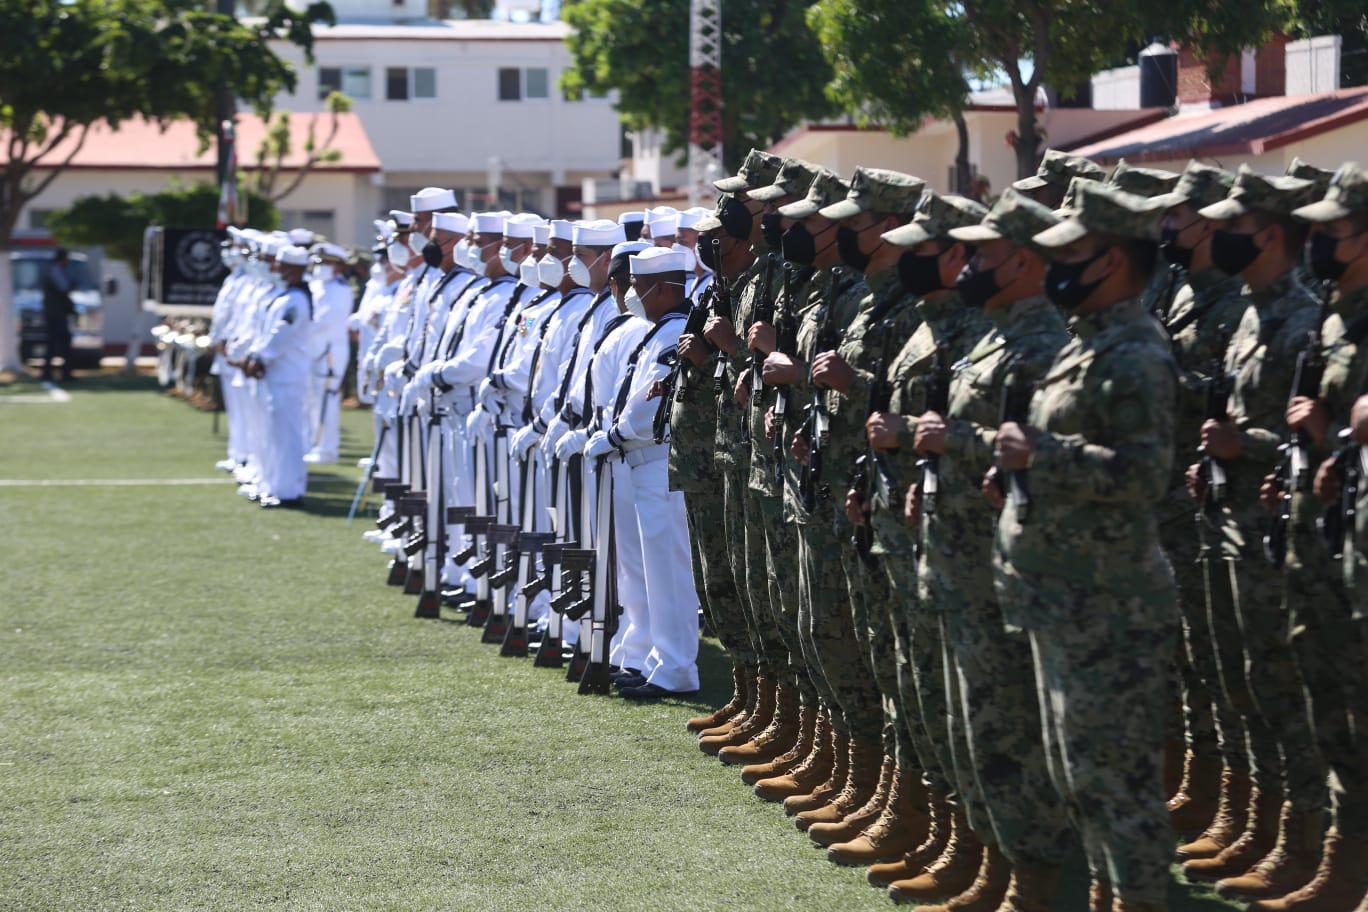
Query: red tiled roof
[142, 144]
[1247, 129]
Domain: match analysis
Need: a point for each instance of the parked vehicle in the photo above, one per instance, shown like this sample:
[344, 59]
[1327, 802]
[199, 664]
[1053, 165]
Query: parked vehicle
[87, 332]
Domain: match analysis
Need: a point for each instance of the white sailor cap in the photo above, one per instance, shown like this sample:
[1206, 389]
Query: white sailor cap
[521, 225]
[690, 217]
[292, 255]
[634, 215]
[663, 224]
[598, 233]
[329, 251]
[661, 210]
[235, 234]
[690, 259]
[490, 222]
[562, 229]
[454, 222]
[301, 237]
[541, 234]
[430, 199]
[401, 218]
[626, 249]
[269, 246]
[655, 260]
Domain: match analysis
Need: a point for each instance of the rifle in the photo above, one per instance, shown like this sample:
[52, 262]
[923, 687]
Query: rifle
[1335, 522]
[785, 342]
[938, 401]
[870, 471]
[677, 380]
[1017, 390]
[815, 426]
[1212, 471]
[764, 313]
[722, 306]
[503, 542]
[371, 465]
[434, 551]
[1294, 469]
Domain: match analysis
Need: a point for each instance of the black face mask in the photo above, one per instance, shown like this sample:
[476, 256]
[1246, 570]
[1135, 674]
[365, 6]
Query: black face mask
[920, 273]
[736, 219]
[1168, 246]
[632, 230]
[1320, 257]
[772, 230]
[1064, 284]
[707, 254]
[848, 243]
[1233, 252]
[798, 245]
[432, 254]
[975, 286]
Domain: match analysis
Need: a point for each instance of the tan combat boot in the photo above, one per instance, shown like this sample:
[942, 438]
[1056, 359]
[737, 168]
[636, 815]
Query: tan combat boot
[725, 728]
[1032, 889]
[864, 815]
[1257, 840]
[1340, 881]
[901, 827]
[1232, 810]
[806, 776]
[1100, 896]
[1193, 807]
[1290, 865]
[774, 739]
[989, 889]
[755, 722]
[951, 874]
[831, 787]
[862, 778]
[923, 856]
[789, 759]
[725, 712]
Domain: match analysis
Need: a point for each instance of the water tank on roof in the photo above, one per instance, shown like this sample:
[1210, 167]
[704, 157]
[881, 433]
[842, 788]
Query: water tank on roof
[1158, 76]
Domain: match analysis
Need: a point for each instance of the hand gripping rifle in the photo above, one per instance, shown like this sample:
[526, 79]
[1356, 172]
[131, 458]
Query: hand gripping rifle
[1212, 471]
[1294, 469]
[816, 422]
[1017, 390]
[785, 342]
[676, 382]
[938, 401]
[869, 472]
[722, 306]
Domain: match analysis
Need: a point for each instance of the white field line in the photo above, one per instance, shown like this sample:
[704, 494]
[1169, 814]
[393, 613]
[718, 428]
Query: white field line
[54, 394]
[107, 482]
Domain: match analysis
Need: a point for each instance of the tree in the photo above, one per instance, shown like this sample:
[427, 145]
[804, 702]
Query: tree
[894, 63]
[67, 66]
[277, 144]
[773, 71]
[116, 223]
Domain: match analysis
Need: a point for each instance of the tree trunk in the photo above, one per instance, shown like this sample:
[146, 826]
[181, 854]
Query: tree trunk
[1027, 139]
[963, 179]
[9, 317]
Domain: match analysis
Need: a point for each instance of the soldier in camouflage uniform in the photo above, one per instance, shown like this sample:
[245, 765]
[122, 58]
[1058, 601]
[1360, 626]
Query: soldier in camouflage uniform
[1327, 642]
[1010, 805]
[1057, 170]
[878, 201]
[1257, 239]
[693, 424]
[1077, 560]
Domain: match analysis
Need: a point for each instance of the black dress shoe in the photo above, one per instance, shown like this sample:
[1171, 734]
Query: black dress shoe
[653, 692]
[626, 674]
[624, 681]
[293, 503]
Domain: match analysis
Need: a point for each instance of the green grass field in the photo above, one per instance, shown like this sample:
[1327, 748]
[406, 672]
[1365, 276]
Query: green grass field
[209, 706]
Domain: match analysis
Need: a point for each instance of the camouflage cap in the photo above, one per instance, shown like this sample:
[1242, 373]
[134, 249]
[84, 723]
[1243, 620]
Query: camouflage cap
[936, 217]
[878, 190]
[1200, 185]
[1347, 195]
[1147, 182]
[1307, 171]
[1254, 191]
[1014, 217]
[793, 179]
[712, 222]
[826, 189]
[1059, 168]
[758, 170]
[1100, 209]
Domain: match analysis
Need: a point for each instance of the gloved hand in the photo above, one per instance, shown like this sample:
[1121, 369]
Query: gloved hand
[523, 439]
[571, 443]
[598, 445]
[554, 432]
[394, 370]
[489, 395]
[407, 397]
[478, 422]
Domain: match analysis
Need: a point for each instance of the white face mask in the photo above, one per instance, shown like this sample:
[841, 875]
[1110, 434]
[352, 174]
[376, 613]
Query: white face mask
[528, 274]
[417, 242]
[550, 270]
[579, 271]
[506, 261]
[632, 301]
[476, 254]
[398, 255]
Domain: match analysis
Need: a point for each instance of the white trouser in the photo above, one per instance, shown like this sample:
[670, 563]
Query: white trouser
[671, 599]
[284, 468]
[325, 441]
[235, 409]
[632, 644]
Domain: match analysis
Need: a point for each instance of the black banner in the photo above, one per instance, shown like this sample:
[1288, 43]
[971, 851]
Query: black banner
[191, 268]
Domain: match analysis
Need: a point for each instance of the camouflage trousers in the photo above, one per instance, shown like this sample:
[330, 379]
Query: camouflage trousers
[1101, 666]
[841, 667]
[1259, 672]
[1333, 660]
[871, 614]
[999, 755]
[770, 650]
[713, 576]
[772, 580]
[1210, 726]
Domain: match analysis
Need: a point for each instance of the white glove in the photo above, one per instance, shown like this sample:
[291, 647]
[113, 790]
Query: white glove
[571, 443]
[478, 422]
[489, 396]
[598, 445]
[554, 432]
[394, 371]
[523, 439]
[406, 398]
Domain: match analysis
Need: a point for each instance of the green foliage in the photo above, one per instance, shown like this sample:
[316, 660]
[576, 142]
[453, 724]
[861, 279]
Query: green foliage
[116, 223]
[773, 71]
[277, 143]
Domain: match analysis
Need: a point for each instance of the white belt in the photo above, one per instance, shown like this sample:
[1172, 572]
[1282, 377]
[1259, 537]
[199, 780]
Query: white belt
[652, 452]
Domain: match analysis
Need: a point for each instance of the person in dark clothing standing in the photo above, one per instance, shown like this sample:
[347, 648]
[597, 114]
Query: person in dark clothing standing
[57, 311]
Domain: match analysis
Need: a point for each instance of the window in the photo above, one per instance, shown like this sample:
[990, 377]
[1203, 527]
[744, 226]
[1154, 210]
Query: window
[538, 83]
[402, 83]
[329, 81]
[510, 84]
[38, 219]
[351, 81]
[516, 84]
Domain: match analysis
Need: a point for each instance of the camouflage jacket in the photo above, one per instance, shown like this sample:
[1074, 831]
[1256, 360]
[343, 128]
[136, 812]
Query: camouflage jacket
[731, 419]
[1262, 356]
[762, 467]
[1025, 338]
[833, 299]
[1103, 414]
[693, 427]
[947, 331]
